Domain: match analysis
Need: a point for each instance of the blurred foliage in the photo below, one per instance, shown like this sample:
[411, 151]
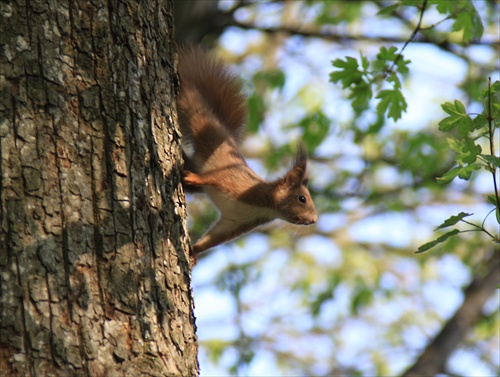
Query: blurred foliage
[389, 167]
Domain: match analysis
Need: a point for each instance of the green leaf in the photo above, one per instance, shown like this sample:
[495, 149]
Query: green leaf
[493, 160]
[463, 172]
[348, 74]
[326, 295]
[458, 117]
[276, 155]
[466, 158]
[361, 96]
[445, 7]
[492, 199]
[470, 151]
[386, 11]
[479, 122]
[387, 54]
[495, 113]
[362, 298]
[453, 220]
[393, 77]
[256, 109]
[392, 101]
[376, 126]
[315, 128]
[449, 176]
[466, 171]
[273, 78]
[455, 145]
[470, 23]
[403, 66]
[495, 87]
[443, 238]
[471, 147]
[320, 299]
[364, 62]
[215, 348]
[464, 127]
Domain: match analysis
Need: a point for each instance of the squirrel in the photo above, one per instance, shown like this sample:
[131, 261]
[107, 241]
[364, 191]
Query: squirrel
[212, 113]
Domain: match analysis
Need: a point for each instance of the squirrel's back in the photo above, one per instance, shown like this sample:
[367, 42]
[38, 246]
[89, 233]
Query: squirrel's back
[204, 77]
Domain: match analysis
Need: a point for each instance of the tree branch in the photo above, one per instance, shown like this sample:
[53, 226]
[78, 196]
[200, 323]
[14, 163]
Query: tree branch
[432, 361]
[336, 37]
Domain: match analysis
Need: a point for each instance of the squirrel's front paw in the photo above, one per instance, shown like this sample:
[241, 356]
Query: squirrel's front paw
[193, 256]
[193, 259]
[190, 178]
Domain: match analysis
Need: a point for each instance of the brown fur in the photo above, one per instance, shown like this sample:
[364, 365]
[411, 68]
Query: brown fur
[215, 87]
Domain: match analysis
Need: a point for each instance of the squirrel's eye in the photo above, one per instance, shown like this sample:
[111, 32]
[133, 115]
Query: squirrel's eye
[302, 199]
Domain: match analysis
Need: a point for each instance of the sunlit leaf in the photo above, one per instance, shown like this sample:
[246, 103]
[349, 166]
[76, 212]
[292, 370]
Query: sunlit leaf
[449, 176]
[453, 220]
[455, 145]
[348, 73]
[393, 102]
[470, 23]
[493, 160]
[443, 238]
[466, 171]
[457, 117]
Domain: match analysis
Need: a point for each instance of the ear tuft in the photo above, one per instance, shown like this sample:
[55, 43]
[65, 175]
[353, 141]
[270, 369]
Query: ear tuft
[301, 163]
[298, 174]
[301, 156]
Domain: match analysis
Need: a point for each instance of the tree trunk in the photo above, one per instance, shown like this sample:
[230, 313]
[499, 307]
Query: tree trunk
[94, 267]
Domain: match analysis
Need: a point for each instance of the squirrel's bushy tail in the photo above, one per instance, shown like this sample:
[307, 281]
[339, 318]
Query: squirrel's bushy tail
[204, 77]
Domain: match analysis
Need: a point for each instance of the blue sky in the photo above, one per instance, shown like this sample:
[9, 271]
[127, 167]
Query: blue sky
[434, 78]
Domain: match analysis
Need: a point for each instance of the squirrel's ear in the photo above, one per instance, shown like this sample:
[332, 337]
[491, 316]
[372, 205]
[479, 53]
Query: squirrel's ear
[298, 175]
[301, 157]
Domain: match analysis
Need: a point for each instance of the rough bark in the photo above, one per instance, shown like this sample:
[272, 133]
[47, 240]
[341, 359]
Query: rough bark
[94, 271]
[433, 359]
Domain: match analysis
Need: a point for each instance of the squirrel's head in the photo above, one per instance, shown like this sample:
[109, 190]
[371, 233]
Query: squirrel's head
[293, 199]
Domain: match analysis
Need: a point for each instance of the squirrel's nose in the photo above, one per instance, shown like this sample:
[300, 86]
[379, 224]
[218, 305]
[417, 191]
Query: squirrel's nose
[313, 219]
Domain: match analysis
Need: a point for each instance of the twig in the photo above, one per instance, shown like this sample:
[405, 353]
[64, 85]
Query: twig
[492, 145]
[479, 229]
[413, 35]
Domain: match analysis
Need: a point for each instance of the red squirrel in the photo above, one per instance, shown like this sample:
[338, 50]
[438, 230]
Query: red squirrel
[212, 113]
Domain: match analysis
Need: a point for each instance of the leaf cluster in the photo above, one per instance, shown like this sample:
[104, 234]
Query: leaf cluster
[464, 14]
[363, 78]
[465, 131]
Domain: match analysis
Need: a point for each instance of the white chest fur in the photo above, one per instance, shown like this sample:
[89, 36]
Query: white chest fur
[232, 209]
